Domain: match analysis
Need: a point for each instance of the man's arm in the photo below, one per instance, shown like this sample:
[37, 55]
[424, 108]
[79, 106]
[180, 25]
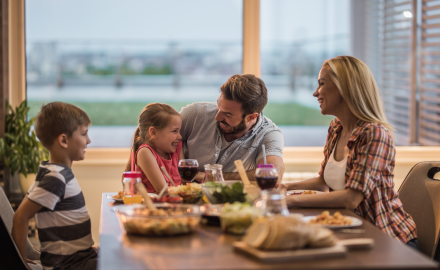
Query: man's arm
[26, 211]
[275, 160]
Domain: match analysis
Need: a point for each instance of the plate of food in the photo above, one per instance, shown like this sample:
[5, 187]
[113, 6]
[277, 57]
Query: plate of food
[120, 196]
[302, 192]
[191, 193]
[337, 220]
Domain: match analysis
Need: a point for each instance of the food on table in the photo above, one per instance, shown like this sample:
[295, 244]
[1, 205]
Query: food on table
[163, 222]
[119, 196]
[190, 193]
[283, 233]
[168, 199]
[321, 237]
[220, 192]
[237, 217]
[327, 219]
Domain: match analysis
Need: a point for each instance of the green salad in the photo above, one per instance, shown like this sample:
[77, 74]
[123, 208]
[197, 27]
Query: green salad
[226, 194]
[237, 217]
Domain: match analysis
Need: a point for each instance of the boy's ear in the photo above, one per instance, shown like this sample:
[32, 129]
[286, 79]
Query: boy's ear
[152, 132]
[62, 140]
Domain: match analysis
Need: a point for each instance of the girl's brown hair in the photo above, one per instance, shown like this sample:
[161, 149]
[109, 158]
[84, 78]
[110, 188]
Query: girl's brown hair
[155, 115]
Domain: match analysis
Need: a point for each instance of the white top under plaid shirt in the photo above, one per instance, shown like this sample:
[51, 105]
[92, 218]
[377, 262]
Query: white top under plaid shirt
[204, 139]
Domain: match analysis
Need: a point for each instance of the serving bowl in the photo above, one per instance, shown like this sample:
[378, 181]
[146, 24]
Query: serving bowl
[170, 219]
[190, 193]
[209, 191]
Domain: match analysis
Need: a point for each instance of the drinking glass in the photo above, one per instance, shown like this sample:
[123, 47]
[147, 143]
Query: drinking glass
[213, 173]
[273, 202]
[267, 177]
[131, 194]
[188, 169]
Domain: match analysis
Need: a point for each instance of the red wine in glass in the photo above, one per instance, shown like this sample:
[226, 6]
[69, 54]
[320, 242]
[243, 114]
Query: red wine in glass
[265, 182]
[188, 169]
[188, 173]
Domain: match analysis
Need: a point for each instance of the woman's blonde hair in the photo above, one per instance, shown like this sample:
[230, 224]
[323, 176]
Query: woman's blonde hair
[358, 88]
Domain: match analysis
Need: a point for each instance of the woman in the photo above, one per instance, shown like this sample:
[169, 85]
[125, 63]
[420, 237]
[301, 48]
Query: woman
[359, 155]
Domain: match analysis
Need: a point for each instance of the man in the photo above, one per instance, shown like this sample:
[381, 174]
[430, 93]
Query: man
[234, 128]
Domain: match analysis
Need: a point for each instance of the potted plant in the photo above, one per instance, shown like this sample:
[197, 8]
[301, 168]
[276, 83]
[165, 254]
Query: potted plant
[20, 150]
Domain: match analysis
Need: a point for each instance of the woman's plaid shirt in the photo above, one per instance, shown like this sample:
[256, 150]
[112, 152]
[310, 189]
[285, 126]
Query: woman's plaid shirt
[370, 165]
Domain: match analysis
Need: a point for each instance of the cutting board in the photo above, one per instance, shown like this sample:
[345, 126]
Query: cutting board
[291, 255]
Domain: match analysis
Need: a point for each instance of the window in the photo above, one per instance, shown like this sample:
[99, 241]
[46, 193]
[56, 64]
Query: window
[296, 38]
[111, 58]
[406, 36]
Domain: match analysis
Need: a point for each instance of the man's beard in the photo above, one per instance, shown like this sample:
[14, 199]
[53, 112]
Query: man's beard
[235, 129]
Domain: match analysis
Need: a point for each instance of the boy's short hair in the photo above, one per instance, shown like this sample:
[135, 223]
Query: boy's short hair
[58, 118]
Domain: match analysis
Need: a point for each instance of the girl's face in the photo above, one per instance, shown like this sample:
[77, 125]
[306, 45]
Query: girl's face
[167, 138]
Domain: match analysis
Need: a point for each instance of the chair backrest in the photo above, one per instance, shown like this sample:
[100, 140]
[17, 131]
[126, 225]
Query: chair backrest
[9, 256]
[7, 214]
[420, 196]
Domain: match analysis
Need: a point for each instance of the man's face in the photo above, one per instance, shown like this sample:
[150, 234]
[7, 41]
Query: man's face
[229, 117]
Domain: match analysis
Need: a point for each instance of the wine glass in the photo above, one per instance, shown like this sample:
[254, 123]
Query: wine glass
[266, 177]
[188, 169]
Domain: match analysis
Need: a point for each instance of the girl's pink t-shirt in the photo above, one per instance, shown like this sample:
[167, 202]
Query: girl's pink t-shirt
[170, 166]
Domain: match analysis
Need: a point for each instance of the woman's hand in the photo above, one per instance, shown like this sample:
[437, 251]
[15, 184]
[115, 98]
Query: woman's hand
[316, 183]
[348, 198]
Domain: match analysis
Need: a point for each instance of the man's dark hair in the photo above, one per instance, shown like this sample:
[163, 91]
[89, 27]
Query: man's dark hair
[248, 90]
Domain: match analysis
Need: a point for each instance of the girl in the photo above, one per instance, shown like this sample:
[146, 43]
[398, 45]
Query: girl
[156, 143]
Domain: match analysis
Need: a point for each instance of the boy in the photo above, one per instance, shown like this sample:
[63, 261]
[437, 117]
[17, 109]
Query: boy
[55, 198]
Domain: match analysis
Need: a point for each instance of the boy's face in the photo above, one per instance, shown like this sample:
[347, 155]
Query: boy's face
[78, 143]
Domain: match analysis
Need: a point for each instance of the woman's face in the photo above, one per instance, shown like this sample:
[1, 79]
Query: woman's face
[329, 98]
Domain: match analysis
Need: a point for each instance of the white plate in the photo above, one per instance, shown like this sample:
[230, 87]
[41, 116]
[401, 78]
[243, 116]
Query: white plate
[300, 191]
[110, 196]
[356, 222]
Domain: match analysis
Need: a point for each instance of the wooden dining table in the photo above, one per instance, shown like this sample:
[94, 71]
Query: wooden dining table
[209, 248]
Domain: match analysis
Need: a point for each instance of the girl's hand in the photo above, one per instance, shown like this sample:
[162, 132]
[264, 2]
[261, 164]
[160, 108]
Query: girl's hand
[200, 177]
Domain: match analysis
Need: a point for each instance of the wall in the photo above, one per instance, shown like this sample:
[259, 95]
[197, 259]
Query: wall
[102, 169]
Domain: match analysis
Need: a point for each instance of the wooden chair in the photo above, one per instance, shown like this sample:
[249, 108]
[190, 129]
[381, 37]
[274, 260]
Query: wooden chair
[9, 255]
[420, 196]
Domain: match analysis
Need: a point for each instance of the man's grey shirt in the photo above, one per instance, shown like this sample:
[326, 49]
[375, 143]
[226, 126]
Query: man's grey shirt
[204, 139]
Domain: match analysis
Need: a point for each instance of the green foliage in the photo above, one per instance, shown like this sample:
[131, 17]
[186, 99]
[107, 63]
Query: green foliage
[151, 70]
[19, 149]
[126, 113]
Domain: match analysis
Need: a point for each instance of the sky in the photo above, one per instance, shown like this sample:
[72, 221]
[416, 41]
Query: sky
[134, 19]
[210, 20]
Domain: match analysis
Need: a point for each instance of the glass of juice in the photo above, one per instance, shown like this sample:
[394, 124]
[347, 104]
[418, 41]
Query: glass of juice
[188, 169]
[267, 176]
[131, 194]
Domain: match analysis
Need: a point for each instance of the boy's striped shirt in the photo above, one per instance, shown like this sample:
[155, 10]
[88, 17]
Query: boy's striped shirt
[63, 223]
